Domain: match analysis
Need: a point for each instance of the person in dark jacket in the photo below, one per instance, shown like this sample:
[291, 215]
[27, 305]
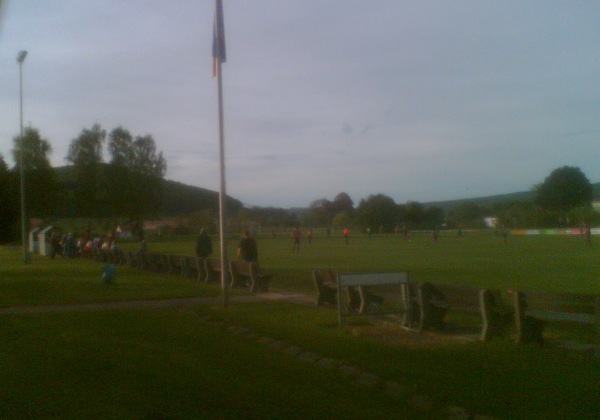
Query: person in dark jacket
[203, 245]
[247, 249]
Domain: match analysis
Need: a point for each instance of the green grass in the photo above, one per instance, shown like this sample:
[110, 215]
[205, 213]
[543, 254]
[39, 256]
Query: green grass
[64, 281]
[161, 364]
[557, 263]
[496, 378]
[169, 363]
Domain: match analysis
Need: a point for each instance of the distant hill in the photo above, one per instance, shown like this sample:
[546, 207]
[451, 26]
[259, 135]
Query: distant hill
[485, 201]
[181, 199]
[500, 198]
[178, 198]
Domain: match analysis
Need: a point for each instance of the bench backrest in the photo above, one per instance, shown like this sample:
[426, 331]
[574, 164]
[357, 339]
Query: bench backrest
[455, 295]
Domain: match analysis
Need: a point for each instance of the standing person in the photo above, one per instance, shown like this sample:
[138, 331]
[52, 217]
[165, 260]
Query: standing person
[203, 248]
[309, 233]
[296, 235]
[142, 261]
[143, 249]
[247, 249]
[346, 234]
[203, 245]
[70, 246]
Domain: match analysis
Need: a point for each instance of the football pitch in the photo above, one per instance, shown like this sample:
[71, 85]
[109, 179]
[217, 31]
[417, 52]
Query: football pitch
[186, 362]
[541, 262]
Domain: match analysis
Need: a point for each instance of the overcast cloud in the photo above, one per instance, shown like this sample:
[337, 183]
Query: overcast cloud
[419, 100]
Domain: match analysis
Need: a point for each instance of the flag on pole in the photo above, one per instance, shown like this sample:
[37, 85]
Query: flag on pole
[218, 46]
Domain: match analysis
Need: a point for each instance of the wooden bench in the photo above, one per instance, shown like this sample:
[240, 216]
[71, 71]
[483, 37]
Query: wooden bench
[533, 310]
[212, 268]
[178, 263]
[130, 259]
[373, 293]
[326, 284]
[242, 271]
[327, 288]
[141, 259]
[362, 300]
[430, 303]
[199, 265]
[154, 262]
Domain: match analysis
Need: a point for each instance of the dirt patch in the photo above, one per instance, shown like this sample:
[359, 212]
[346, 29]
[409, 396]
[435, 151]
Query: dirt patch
[394, 334]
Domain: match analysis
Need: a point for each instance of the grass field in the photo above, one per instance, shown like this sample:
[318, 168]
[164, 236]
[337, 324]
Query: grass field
[557, 263]
[170, 363]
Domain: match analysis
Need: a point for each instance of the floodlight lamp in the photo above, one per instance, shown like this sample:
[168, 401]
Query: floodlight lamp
[21, 56]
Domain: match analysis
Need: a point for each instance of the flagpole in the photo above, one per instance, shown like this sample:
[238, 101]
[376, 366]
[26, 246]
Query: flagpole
[222, 189]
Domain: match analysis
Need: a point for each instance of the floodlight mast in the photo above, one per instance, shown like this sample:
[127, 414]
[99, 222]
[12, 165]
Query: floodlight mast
[20, 59]
[21, 56]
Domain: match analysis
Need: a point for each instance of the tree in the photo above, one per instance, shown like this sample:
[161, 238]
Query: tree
[319, 213]
[35, 150]
[433, 216]
[342, 203]
[9, 208]
[564, 189]
[378, 212]
[133, 179]
[41, 184]
[86, 150]
[414, 213]
[342, 220]
[467, 213]
[118, 180]
[120, 147]
[85, 153]
[146, 161]
[148, 170]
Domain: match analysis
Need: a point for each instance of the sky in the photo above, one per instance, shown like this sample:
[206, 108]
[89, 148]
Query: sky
[420, 100]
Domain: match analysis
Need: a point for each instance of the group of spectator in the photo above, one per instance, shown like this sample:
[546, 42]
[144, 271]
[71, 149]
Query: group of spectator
[69, 247]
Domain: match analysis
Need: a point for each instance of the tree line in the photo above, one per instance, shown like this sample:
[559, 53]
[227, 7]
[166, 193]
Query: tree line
[563, 199]
[129, 185]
